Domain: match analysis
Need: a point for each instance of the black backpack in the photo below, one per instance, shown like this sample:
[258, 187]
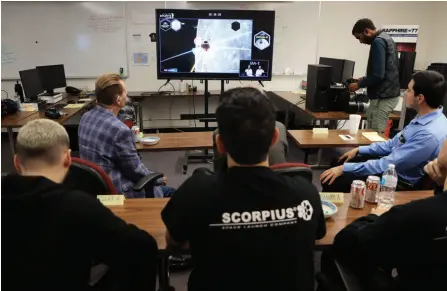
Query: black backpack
[9, 107]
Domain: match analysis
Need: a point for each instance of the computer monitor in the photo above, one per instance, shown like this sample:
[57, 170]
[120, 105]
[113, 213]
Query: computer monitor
[52, 77]
[31, 84]
[215, 44]
[342, 70]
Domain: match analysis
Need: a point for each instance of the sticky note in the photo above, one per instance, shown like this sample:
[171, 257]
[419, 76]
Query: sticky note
[373, 136]
[320, 131]
[334, 197]
[299, 92]
[28, 107]
[111, 200]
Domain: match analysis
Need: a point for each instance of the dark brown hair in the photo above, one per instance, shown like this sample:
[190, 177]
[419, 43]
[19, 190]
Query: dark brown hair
[432, 85]
[362, 24]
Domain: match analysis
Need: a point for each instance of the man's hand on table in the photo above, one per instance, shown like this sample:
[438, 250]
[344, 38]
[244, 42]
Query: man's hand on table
[331, 174]
[436, 172]
[346, 157]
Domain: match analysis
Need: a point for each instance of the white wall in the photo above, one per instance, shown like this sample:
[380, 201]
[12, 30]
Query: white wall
[334, 40]
[437, 51]
[144, 78]
[337, 19]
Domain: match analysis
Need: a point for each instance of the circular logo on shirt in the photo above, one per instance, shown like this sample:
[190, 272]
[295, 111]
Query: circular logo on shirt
[305, 210]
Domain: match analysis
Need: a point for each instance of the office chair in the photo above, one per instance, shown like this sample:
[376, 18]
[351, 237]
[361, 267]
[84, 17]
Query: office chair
[91, 179]
[287, 169]
[293, 170]
[129, 123]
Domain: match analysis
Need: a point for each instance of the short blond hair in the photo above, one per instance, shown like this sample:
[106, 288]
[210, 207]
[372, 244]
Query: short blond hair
[43, 140]
[107, 87]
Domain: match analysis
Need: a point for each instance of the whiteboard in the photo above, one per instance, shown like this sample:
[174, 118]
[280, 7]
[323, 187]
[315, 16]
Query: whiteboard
[89, 38]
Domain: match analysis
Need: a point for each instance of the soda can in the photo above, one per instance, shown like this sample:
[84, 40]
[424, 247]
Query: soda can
[357, 194]
[372, 189]
[136, 133]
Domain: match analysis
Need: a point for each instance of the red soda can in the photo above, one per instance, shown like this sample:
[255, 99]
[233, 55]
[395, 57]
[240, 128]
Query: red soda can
[357, 194]
[372, 189]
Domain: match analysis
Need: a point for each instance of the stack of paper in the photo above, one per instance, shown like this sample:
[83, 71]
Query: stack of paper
[85, 99]
[51, 99]
[72, 106]
[373, 136]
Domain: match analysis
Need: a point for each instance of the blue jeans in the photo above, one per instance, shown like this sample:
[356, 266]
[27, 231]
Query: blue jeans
[167, 191]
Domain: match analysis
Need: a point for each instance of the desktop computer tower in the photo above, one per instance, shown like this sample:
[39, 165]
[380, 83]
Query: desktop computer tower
[318, 95]
[439, 67]
[342, 70]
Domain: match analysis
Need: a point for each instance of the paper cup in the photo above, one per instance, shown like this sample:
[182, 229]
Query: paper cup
[354, 123]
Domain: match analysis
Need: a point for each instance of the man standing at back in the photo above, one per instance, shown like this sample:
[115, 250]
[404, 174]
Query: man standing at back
[248, 228]
[382, 73]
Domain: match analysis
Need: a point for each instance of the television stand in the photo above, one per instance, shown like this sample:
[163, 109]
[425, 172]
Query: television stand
[205, 155]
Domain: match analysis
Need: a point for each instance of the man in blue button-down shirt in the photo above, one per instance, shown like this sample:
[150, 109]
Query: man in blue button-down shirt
[410, 150]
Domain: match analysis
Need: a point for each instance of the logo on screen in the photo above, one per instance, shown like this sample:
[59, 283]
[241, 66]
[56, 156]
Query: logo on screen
[262, 40]
[167, 15]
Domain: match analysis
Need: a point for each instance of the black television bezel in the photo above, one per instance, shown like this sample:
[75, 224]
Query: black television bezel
[211, 76]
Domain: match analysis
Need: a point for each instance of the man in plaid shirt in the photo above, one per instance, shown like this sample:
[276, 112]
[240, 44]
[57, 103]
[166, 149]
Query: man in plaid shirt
[108, 142]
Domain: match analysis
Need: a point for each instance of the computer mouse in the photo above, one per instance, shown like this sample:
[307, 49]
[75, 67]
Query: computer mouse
[53, 113]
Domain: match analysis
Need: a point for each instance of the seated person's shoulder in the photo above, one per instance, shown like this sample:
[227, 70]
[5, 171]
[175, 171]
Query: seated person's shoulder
[436, 131]
[200, 182]
[300, 186]
[441, 124]
[74, 198]
[93, 118]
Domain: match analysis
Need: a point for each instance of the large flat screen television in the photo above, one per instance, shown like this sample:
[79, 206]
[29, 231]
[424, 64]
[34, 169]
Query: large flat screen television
[215, 44]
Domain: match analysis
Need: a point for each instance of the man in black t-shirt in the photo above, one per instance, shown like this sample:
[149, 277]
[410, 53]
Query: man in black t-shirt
[248, 228]
[58, 239]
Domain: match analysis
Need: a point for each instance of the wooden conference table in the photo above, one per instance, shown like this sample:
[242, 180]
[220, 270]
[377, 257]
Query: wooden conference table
[21, 118]
[179, 141]
[139, 96]
[307, 139]
[146, 214]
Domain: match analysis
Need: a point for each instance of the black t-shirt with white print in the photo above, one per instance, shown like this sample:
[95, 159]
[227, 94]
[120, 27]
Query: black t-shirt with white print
[248, 228]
